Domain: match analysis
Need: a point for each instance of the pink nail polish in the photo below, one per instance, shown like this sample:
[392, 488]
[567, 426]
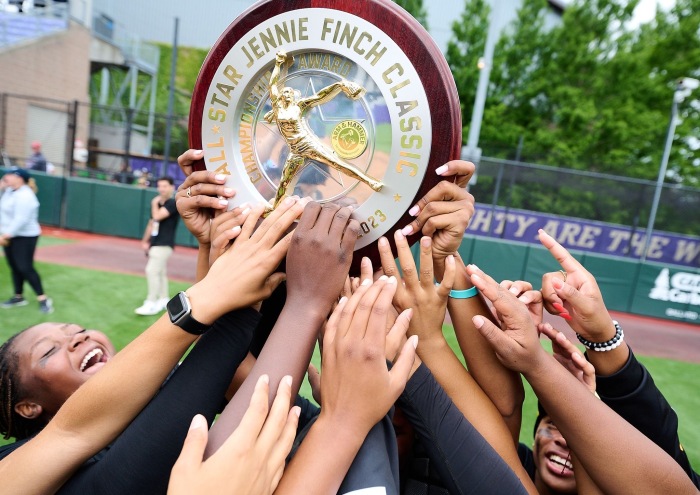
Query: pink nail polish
[414, 211]
[407, 230]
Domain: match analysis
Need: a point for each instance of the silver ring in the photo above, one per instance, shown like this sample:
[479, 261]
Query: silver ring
[188, 192]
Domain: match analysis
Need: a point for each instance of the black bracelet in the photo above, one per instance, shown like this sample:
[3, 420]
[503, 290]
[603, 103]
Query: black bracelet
[604, 346]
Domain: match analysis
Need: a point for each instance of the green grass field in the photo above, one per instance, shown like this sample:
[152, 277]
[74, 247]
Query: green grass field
[105, 301]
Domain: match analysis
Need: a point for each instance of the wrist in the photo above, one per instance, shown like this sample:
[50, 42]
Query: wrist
[204, 307]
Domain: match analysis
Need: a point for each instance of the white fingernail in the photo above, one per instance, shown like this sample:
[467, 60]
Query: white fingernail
[198, 421]
[366, 282]
[414, 341]
[236, 229]
[198, 152]
[246, 211]
[383, 277]
[223, 202]
[392, 280]
[287, 380]
[441, 170]
[414, 211]
[228, 190]
[220, 177]
[342, 300]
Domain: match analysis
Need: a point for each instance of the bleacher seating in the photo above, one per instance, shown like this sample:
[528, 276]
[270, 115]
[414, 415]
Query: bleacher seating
[19, 27]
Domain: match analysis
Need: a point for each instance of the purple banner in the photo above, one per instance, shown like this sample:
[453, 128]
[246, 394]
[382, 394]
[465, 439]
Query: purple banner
[584, 235]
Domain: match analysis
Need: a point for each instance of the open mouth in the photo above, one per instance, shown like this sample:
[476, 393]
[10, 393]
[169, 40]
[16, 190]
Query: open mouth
[560, 461]
[91, 359]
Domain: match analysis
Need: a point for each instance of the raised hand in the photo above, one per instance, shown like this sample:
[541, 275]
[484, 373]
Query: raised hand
[224, 229]
[428, 301]
[198, 198]
[251, 461]
[320, 255]
[577, 294]
[524, 292]
[569, 356]
[244, 274]
[516, 343]
[357, 388]
[187, 159]
[445, 211]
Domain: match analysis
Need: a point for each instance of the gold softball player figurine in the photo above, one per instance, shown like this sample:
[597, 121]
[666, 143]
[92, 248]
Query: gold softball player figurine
[288, 110]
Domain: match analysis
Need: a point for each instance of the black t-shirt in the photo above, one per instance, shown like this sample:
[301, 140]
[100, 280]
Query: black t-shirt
[166, 228]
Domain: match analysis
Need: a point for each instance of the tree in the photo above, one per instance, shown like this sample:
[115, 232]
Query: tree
[464, 50]
[416, 9]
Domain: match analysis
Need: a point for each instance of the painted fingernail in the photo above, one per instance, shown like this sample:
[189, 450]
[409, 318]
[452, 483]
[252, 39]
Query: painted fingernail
[383, 277]
[475, 267]
[236, 229]
[246, 211]
[228, 190]
[366, 282]
[296, 410]
[198, 421]
[198, 152]
[399, 235]
[414, 341]
[414, 211]
[558, 284]
[223, 202]
[441, 170]
[287, 380]
[220, 177]
[264, 379]
[566, 316]
[392, 280]
[342, 300]
[559, 308]
[407, 230]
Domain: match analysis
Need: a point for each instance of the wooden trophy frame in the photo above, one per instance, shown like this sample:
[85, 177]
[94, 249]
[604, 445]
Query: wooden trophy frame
[441, 101]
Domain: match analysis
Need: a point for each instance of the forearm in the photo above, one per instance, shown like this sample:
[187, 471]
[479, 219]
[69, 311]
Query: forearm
[601, 438]
[147, 233]
[100, 409]
[202, 261]
[471, 401]
[287, 352]
[502, 386]
[609, 362]
[462, 457]
[323, 459]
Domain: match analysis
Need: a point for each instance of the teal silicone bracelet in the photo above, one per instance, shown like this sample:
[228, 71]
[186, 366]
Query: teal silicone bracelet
[464, 294]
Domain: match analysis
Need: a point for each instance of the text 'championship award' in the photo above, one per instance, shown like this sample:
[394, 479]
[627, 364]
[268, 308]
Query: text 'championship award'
[348, 102]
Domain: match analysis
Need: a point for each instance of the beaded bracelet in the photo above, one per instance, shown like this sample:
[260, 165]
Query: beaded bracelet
[611, 344]
[464, 294]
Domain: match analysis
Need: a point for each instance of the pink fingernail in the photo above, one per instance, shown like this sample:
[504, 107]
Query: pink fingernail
[441, 170]
[414, 211]
[407, 230]
[223, 202]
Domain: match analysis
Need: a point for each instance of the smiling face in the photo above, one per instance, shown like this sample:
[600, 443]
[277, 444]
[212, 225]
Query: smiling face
[552, 459]
[57, 358]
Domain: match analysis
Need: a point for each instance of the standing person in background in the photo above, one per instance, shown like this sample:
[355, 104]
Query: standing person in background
[158, 242]
[19, 233]
[37, 161]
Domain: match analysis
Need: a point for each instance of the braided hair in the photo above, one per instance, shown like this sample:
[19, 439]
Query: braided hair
[11, 392]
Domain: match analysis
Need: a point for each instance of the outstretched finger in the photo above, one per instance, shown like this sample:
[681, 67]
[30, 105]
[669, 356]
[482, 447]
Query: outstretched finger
[402, 366]
[276, 419]
[502, 300]
[254, 418]
[563, 257]
[195, 443]
[187, 160]
[408, 264]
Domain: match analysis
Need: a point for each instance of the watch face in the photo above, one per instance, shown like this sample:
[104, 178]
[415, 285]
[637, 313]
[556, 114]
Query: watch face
[177, 307]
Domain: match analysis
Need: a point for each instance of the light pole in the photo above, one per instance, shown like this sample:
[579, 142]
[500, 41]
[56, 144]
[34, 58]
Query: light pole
[684, 87]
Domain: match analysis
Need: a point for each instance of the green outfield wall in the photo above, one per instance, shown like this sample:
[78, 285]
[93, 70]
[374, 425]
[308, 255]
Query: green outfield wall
[661, 290]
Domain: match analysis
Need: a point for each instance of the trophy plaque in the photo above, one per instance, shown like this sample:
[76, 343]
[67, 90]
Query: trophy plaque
[345, 101]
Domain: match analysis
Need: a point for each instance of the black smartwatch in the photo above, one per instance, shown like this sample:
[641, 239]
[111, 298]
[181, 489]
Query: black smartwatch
[180, 312]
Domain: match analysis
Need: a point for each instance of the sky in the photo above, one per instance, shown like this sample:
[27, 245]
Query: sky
[647, 8]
